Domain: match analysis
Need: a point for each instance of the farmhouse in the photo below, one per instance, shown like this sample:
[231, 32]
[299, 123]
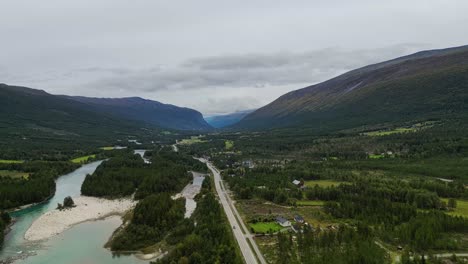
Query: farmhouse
[299, 219]
[283, 221]
[298, 184]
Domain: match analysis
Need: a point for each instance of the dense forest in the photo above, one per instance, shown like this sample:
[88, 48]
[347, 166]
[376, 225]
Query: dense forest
[152, 218]
[30, 182]
[126, 173]
[4, 222]
[209, 241]
[344, 245]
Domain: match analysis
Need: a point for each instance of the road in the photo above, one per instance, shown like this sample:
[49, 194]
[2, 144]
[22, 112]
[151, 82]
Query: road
[232, 213]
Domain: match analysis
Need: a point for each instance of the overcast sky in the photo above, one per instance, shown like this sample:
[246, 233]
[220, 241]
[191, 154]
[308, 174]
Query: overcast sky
[215, 56]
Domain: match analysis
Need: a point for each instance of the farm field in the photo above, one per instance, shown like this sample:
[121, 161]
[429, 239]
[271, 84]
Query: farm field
[107, 148]
[376, 156]
[310, 203]
[192, 140]
[229, 144]
[83, 159]
[11, 161]
[323, 183]
[461, 210]
[265, 227]
[14, 174]
[390, 132]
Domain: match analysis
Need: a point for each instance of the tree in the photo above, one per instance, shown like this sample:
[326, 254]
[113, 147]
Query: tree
[68, 202]
[452, 203]
[5, 217]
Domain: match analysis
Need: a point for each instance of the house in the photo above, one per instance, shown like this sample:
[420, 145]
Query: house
[299, 184]
[299, 219]
[248, 164]
[283, 221]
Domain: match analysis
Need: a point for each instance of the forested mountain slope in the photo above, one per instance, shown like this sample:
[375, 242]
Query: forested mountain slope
[425, 85]
[25, 112]
[152, 112]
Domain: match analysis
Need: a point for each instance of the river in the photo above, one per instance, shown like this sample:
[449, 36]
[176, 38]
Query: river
[81, 244]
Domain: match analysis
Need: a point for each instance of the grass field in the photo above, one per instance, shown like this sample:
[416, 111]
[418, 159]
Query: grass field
[192, 140]
[265, 227]
[376, 156]
[83, 159]
[309, 203]
[461, 210]
[390, 132]
[14, 174]
[323, 183]
[229, 144]
[107, 148]
[11, 161]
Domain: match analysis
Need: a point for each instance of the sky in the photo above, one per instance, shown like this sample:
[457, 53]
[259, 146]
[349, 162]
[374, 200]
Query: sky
[215, 56]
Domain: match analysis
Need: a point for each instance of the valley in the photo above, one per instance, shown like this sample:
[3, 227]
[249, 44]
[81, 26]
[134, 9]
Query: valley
[368, 167]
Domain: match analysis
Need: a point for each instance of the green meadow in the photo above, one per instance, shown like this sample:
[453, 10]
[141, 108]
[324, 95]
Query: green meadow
[265, 227]
[107, 148]
[323, 183]
[310, 203]
[11, 161]
[83, 159]
[461, 209]
[229, 144]
[14, 174]
[190, 141]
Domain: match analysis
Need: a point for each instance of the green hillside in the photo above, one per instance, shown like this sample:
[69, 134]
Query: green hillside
[33, 119]
[423, 86]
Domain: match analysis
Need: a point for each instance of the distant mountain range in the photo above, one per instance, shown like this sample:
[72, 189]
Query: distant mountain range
[428, 84]
[152, 112]
[220, 121]
[25, 111]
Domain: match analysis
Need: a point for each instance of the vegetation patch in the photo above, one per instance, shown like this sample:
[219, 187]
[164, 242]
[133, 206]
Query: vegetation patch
[390, 132]
[11, 161]
[107, 148]
[229, 144]
[323, 183]
[461, 208]
[265, 227]
[83, 159]
[400, 130]
[310, 203]
[192, 140]
[14, 174]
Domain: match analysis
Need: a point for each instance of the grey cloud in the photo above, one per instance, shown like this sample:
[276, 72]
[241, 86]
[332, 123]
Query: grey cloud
[249, 70]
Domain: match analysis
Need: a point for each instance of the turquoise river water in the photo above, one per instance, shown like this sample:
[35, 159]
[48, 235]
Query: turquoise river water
[82, 244]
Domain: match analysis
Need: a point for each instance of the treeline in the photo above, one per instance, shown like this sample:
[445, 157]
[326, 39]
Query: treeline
[5, 220]
[344, 245]
[38, 186]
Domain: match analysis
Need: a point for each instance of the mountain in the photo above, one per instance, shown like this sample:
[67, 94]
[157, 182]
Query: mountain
[425, 85]
[220, 121]
[152, 112]
[35, 117]
[25, 111]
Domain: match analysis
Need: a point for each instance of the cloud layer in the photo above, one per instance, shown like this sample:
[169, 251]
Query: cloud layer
[215, 56]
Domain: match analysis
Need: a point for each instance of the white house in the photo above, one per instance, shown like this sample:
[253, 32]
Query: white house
[283, 221]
